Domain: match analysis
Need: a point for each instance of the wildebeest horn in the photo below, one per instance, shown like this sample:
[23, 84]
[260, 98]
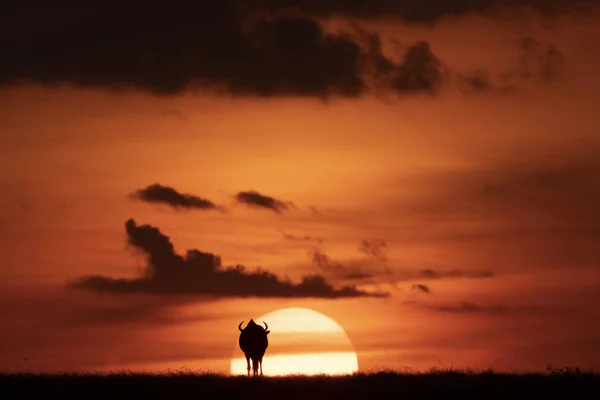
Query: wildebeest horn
[266, 326]
[240, 326]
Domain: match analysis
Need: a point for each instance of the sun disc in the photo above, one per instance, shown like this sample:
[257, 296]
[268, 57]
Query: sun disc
[303, 341]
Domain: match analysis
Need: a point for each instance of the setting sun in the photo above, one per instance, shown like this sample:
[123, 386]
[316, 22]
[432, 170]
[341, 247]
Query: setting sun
[303, 341]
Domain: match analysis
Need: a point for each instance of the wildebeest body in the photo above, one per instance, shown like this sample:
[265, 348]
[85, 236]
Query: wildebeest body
[253, 342]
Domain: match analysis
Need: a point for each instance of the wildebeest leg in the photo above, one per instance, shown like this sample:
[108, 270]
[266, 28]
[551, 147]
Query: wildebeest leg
[248, 364]
[255, 366]
[260, 363]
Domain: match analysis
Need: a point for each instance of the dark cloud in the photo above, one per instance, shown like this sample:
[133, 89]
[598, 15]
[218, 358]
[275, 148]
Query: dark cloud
[453, 273]
[325, 263]
[538, 61]
[355, 269]
[305, 238]
[337, 269]
[170, 50]
[373, 270]
[175, 114]
[231, 46]
[315, 211]
[421, 288]
[404, 275]
[497, 189]
[202, 273]
[561, 189]
[375, 248]
[24, 205]
[474, 308]
[401, 276]
[479, 80]
[254, 199]
[419, 71]
[423, 11]
[541, 212]
[157, 193]
[148, 311]
[139, 310]
[359, 276]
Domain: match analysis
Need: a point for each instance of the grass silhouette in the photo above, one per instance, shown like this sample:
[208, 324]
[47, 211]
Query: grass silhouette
[557, 383]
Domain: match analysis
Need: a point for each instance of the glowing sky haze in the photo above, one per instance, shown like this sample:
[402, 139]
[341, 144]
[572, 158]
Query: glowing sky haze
[425, 175]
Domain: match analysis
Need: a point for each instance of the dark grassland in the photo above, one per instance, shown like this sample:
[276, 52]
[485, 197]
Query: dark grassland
[561, 384]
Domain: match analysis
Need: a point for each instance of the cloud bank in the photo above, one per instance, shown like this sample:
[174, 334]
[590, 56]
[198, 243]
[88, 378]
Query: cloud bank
[202, 273]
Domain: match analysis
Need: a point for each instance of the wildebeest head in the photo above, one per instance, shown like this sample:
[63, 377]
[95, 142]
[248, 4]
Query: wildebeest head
[253, 326]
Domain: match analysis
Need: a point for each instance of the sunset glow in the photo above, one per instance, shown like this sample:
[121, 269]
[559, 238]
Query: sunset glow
[303, 364]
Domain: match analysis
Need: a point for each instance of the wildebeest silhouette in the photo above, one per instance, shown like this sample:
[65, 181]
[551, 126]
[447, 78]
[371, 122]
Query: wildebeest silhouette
[254, 342]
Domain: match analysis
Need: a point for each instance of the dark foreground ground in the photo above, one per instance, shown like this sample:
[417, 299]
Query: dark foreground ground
[381, 385]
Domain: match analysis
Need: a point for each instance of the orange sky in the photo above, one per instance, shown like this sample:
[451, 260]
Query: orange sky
[495, 192]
